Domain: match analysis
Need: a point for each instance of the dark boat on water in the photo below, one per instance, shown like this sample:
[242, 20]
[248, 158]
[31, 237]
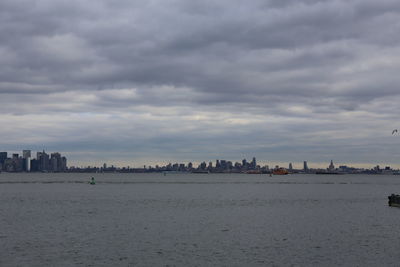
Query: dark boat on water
[394, 200]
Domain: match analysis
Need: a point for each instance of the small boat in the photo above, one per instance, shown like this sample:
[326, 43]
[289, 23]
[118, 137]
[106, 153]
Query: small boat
[394, 200]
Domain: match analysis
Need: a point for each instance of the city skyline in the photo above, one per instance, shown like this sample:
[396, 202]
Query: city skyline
[25, 162]
[158, 81]
[15, 161]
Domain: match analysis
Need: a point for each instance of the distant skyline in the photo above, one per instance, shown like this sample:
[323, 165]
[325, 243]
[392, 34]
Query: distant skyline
[94, 162]
[138, 82]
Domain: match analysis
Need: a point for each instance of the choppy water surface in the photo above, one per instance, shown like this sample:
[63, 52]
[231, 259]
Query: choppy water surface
[198, 220]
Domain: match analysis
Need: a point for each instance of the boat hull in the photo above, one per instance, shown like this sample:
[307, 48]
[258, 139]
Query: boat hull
[280, 171]
[394, 200]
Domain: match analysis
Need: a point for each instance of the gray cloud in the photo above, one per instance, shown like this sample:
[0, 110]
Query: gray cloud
[177, 79]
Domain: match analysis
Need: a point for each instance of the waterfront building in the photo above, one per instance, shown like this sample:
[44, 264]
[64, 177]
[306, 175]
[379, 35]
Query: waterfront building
[26, 160]
[27, 164]
[55, 162]
[26, 154]
[43, 161]
[223, 164]
[229, 165]
[17, 162]
[9, 165]
[210, 165]
[217, 164]
[305, 167]
[203, 166]
[181, 167]
[244, 164]
[253, 163]
[3, 156]
[331, 166]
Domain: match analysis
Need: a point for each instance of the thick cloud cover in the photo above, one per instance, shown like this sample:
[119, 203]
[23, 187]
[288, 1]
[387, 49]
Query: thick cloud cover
[131, 82]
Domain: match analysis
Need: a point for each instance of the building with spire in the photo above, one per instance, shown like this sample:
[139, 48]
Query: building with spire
[331, 166]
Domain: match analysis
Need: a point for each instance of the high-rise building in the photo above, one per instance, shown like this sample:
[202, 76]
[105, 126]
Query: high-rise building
[223, 164]
[3, 157]
[34, 165]
[43, 161]
[17, 162]
[244, 163]
[253, 163]
[331, 166]
[27, 164]
[26, 154]
[217, 164]
[305, 168]
[290, 167]
[57, 163]
[26, 158]
[203, 166]
[55, 159]
[63, 166]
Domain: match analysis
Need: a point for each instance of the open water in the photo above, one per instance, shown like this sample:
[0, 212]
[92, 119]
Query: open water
[198, 220]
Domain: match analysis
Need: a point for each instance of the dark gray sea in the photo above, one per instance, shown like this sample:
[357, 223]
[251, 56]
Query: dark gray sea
[198, 220]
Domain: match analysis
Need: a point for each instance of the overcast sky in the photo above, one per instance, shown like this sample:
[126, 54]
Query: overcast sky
[149, 81]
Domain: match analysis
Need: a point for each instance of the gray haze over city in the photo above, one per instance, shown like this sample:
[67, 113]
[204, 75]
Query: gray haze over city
[135, 82]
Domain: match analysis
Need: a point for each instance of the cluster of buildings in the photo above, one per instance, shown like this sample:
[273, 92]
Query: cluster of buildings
[55, 162]
[220, 166]
[43, 162]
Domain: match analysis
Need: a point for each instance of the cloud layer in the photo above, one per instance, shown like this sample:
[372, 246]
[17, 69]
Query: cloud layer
[174, 80]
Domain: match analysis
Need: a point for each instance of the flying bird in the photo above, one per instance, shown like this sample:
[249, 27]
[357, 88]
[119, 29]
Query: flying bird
[394, 131]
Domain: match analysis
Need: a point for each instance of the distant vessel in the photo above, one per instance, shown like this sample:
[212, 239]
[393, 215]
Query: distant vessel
[280, 171]
[394, 200]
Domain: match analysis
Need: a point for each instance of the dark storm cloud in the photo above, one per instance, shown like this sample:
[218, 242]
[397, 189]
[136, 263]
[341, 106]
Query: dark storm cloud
[224, 66]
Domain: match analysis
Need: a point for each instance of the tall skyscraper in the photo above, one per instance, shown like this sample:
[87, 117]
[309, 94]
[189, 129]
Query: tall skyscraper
[27, 164]
[244, 163]
[26, 154]
[57, 163]
[305, 167]
[253, 163]
[43, 161]
[63, 166]
[54, 161]
[3, 157]
[26, 157]
[331, 166]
